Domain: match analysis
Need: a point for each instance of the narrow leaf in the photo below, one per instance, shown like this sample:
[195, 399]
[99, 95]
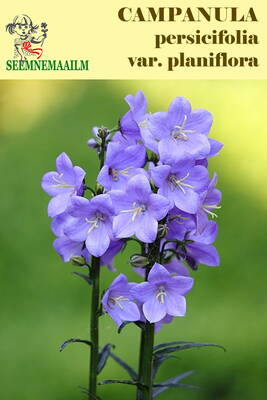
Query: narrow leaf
[163, 386]
[125, 382]
[184, 347]
[167, 344]
[73, 340]
[124, 365]
[85, 277]
[103, 356]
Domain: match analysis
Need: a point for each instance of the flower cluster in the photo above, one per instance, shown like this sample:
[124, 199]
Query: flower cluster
[155, 188]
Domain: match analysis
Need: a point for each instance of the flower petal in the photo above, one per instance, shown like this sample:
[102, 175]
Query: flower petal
[123, 226]
[146, 227]
[175, 305]
[158, 206]
[98, 240]
[58, 204]
[153, 310]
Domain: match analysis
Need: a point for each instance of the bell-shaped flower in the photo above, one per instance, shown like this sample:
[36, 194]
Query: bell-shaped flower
[198, 248]
[130, 122]
[181, 183]
[162, 294]
[180, 131]
[209, 203]
[138, 210]
[179, 223]
[120, 165]
[119, 303]
[62, 184]
[92, 224]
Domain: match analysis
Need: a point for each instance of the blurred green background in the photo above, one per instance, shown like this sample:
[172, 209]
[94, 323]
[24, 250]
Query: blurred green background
[42, 303]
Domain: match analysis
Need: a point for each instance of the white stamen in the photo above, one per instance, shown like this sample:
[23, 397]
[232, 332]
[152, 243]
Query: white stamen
[60, 183]
[160, 296]
[206, 208]
[175, 182]
[116, 301]
[94, 222]
[136, 210]
[179, 132]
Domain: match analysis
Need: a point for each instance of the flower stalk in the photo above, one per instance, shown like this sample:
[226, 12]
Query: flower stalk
[94, 332]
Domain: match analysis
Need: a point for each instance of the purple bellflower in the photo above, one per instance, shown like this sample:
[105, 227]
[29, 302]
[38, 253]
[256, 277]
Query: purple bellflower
[163, 294]
[121, 164]
[180, 131]
[62, 185]
[119, 303]
[179, 223]
[210, 200]
[138, 210]
[181, 183]
[130, 122]
[92, 224]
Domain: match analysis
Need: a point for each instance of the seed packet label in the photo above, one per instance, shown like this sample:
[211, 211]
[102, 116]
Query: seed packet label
[134, 40]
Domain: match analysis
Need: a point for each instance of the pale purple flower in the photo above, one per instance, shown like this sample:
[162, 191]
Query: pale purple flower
[210, 200]
[163, 294]
[121, 164]
[180, 131]
[201, 250]
[62, 184]
[92, 224]
[119, 303]
[67, 248]
[129, 123]
[138, 210]
[181, 183]
[179, 223]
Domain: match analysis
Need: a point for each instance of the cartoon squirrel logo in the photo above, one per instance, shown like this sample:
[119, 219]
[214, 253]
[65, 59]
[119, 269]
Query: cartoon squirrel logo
[24, 29]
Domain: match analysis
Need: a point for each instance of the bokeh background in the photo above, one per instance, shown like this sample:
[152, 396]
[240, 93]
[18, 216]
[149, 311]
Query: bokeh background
[42, 303]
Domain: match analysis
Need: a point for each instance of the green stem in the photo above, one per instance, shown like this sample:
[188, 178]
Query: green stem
[95, 272]
[148, 344]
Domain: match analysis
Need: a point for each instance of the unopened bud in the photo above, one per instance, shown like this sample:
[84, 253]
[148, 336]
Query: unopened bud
[78, 261]
[162, 230]
[102, 132]
[137, 260]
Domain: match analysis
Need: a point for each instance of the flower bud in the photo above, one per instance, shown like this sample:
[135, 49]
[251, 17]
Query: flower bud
[137, 260]
[102, 132]
[162, 230]
[78, 261]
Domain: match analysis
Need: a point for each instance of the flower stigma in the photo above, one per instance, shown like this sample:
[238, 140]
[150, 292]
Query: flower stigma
[115, 173]
[136, 210]
[94, 222]
[60, 183]
[179, 132]
[207, 207]
[161, 293]
[116, 301]
[175, 182]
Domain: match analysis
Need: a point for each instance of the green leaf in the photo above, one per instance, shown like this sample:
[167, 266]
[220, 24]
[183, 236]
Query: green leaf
[172, 382]
[167, 344]
[124, 365]
[172, 349]
[73, 340]
[125, 382]
[103, 356]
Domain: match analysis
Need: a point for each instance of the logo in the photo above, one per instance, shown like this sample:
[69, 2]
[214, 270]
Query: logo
[28, 49]
[26, 36]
